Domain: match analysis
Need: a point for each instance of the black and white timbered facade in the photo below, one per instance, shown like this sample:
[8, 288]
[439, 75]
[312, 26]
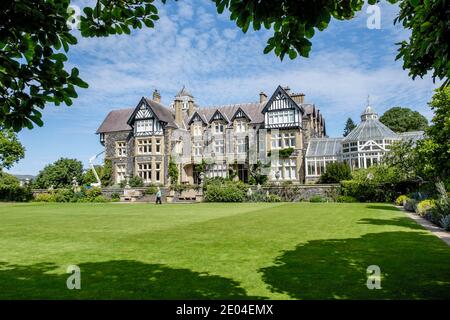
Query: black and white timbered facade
[141, 141]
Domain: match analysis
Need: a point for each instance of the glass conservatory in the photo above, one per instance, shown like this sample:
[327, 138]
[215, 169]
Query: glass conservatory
[368, 142]
[320, 152]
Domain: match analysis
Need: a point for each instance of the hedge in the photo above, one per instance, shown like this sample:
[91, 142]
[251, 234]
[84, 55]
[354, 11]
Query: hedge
[15, 193]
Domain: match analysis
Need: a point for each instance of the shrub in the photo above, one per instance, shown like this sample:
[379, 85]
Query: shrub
[92, 193]
[317, 198]
[136, 182]
[336, 172]
[115, 196]
[272, 198]
[99, 199]
[424, 206]
[152, 189]
[368, 191]
[45, 197]
[64, 195]
[445, 222]
[443, 201]
[15, 193]
[410, 205]
[400, 201]
[346, 199]
[226, 192]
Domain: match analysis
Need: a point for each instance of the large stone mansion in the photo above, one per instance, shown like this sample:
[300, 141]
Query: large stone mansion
[282, 131]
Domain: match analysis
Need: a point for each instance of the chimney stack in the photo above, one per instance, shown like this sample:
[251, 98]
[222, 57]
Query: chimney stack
[178, 111]
[298, 98]
[156, 96]
[191, 108]
[288, 90]
[262, 97]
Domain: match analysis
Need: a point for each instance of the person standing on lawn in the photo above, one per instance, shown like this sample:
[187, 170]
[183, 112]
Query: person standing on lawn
[158, 196]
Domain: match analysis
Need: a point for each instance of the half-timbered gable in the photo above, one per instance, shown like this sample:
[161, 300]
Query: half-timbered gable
[144, 121]
[281, 111]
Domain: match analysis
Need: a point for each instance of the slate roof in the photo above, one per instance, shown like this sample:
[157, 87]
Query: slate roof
[116, 120]
[184, 92]
[320, 147]
[252, 110]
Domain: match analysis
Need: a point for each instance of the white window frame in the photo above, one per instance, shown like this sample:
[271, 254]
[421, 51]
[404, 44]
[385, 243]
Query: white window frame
[241, 145]
[219, 146]
[289, 140]
[121, 148]
[219, 128]
[144, 125]
[197, 148]
[276, 140]
[121, 171]
[144, 170]
[144, 146]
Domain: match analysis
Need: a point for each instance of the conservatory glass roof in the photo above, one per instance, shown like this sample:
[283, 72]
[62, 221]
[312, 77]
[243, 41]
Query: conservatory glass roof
[370, 128]
[320, 147]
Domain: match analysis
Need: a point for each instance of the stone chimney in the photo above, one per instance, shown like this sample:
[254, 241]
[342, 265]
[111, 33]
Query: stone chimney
[178, 111]
[298, 97]
[156, 96]
[262, 97]
[191, 108]
[287, 89]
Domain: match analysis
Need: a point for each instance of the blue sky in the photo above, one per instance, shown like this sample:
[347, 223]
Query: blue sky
[194, 46]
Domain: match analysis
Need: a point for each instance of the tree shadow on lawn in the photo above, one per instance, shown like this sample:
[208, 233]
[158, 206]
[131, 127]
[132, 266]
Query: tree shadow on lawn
[398, 222]
[414, 265]
[120, 279]
[382, 207]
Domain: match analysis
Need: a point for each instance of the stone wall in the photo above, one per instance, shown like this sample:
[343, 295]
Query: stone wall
[302, 192]
[292, 193]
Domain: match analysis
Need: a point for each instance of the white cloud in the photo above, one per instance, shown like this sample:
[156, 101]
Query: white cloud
[220, 65]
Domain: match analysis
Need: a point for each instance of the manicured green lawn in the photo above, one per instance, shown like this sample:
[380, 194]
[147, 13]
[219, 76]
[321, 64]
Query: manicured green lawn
[227, 251]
